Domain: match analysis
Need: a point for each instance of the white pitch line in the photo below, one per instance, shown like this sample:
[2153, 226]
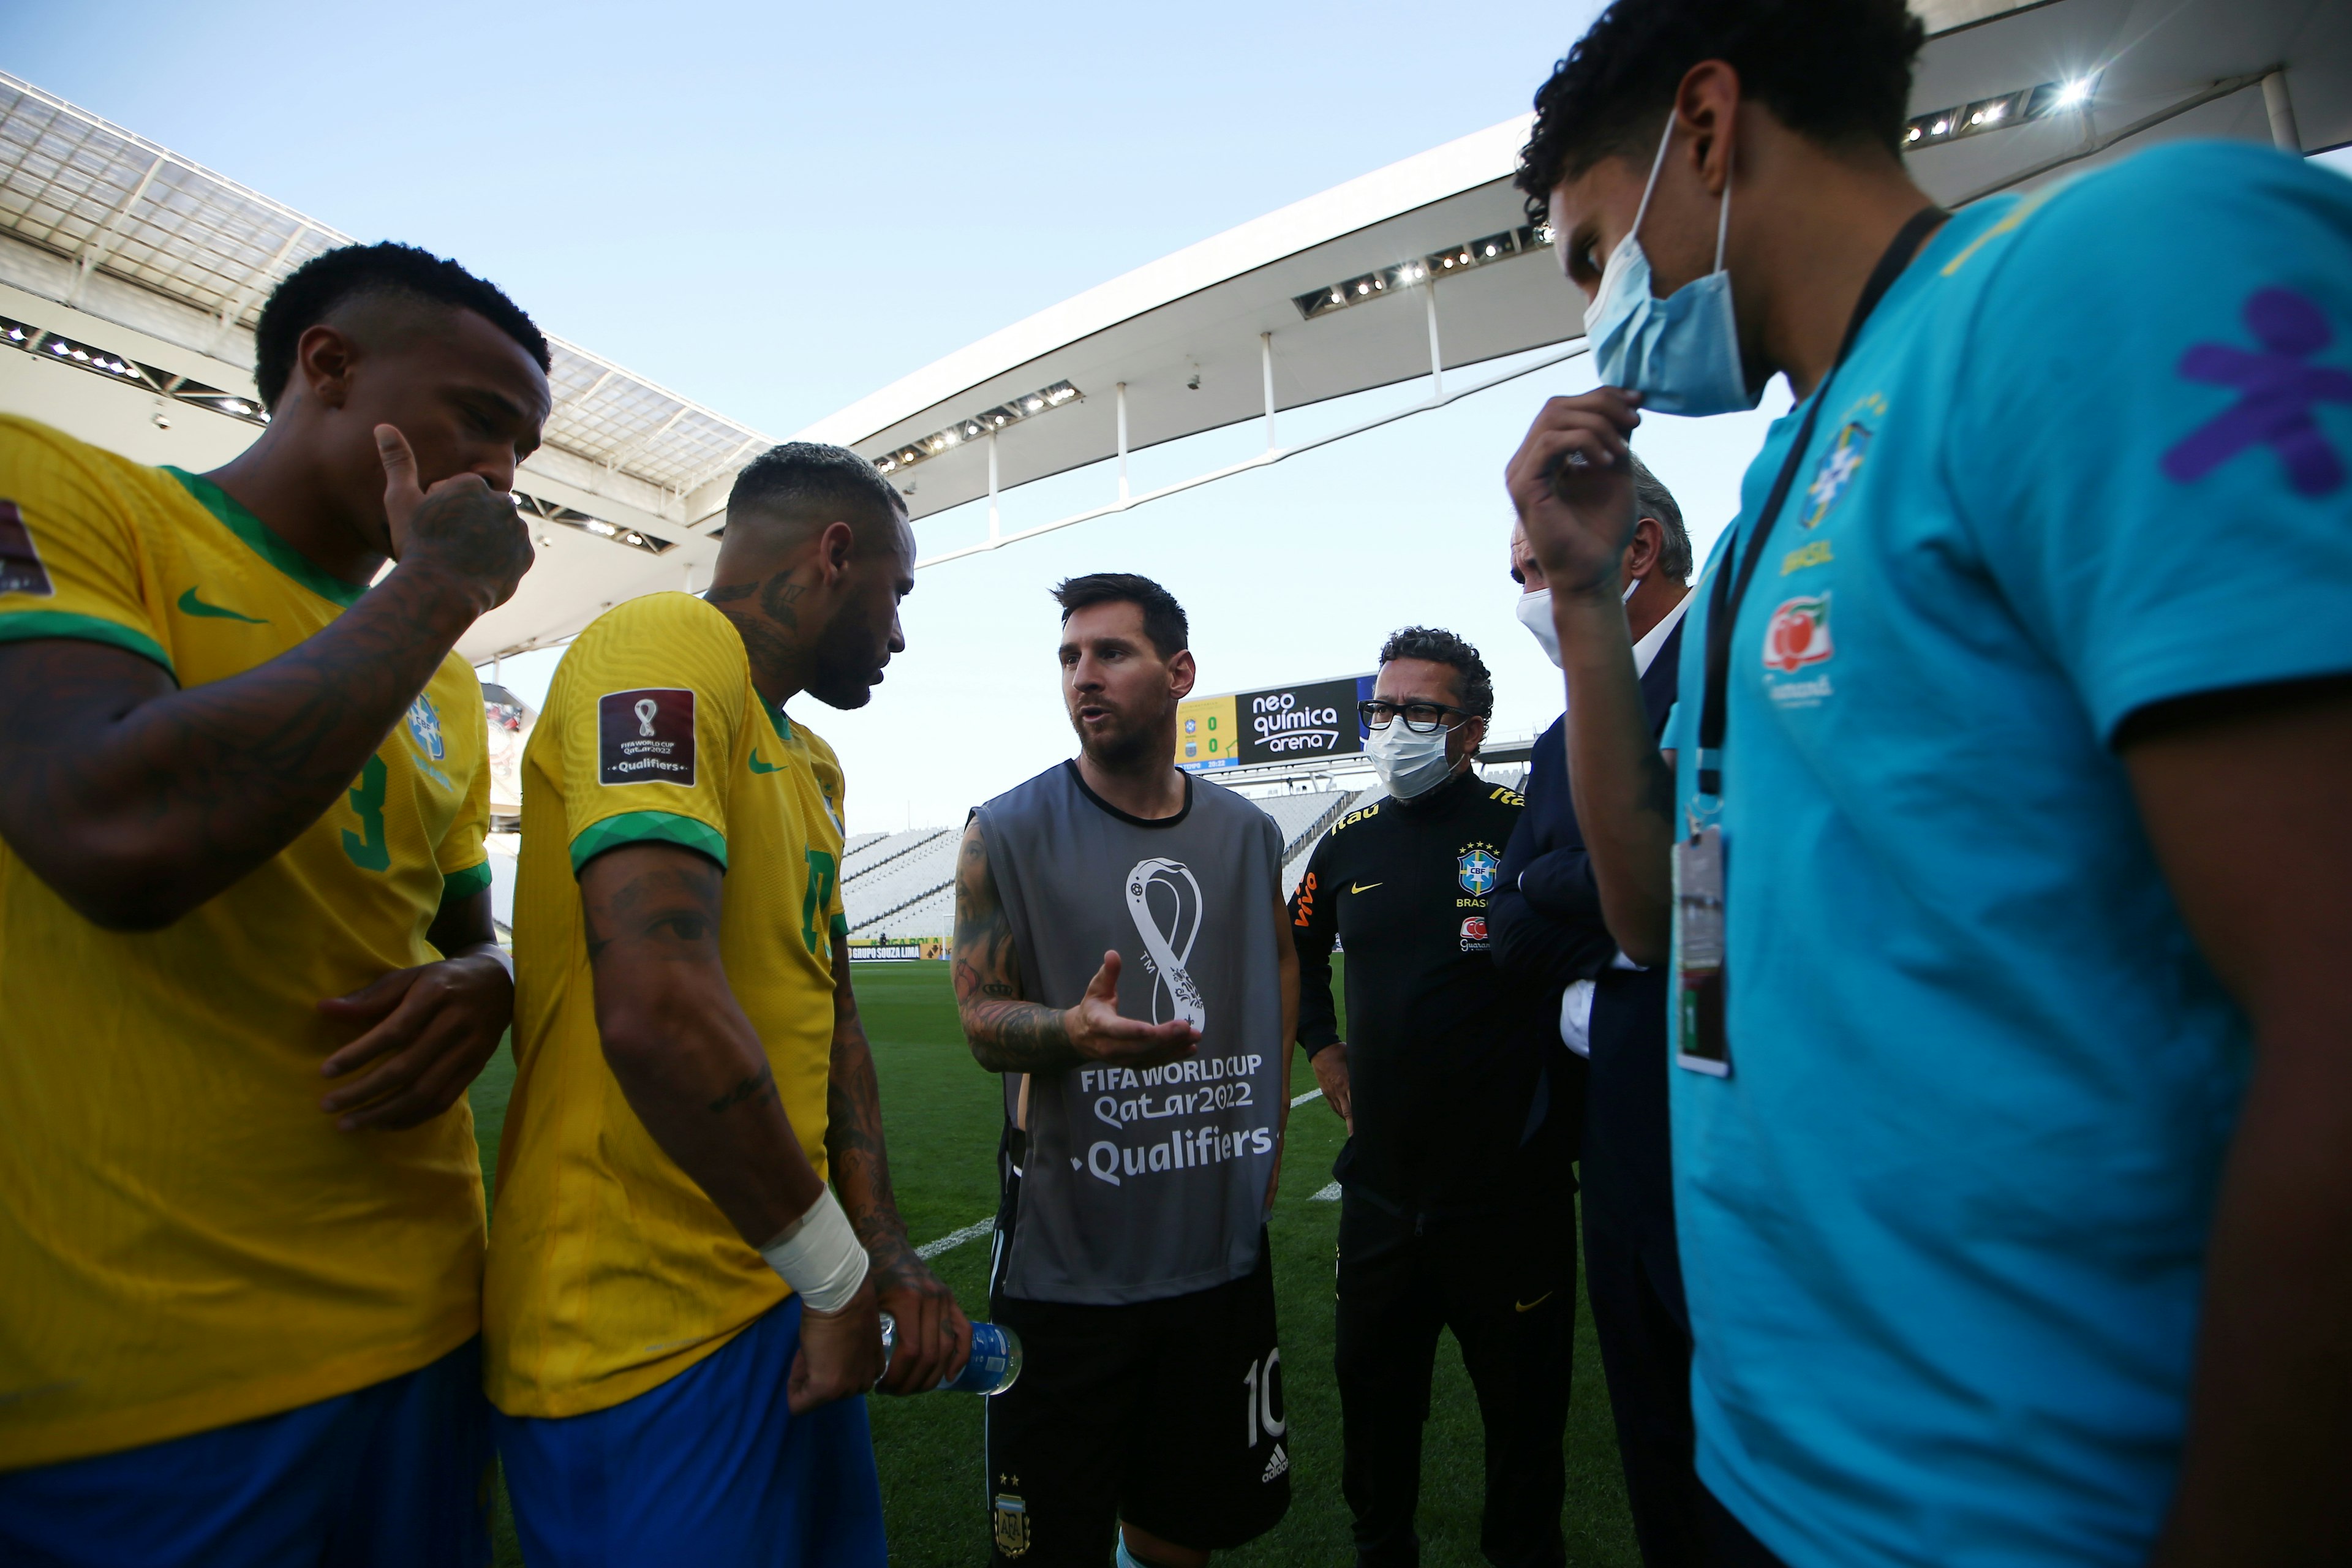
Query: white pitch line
[972, 1232]
[1329, 1195]
[979, 1229]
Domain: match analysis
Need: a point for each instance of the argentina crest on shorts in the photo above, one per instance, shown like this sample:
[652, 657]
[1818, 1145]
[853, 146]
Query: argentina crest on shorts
[1010, 1520]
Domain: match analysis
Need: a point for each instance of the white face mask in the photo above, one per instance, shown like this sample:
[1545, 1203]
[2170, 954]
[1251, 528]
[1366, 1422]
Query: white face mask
[1408, 764]
[1534, 614]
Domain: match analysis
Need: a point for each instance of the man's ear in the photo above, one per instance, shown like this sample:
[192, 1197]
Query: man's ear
[324, 359]
[1649, 542]
[837, 547]
[1181, 673]
[1474, 733]
[1708, 103]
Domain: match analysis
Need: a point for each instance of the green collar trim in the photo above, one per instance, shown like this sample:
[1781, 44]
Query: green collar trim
[262, 541]
[784, 726]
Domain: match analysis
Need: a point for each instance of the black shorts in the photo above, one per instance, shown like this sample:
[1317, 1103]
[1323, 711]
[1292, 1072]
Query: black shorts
[1167, 1415]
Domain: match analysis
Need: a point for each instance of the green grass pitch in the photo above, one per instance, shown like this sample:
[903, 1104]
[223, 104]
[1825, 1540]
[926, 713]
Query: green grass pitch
[940, 1114]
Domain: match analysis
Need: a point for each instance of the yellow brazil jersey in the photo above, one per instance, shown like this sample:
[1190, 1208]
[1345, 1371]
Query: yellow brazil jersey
[610, 1271]
[185, 1239]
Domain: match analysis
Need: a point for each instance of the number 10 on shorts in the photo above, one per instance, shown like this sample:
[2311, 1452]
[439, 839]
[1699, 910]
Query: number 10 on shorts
[1258, 1384]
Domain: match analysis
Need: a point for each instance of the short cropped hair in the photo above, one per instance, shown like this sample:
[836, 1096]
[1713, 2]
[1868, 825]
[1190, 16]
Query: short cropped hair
[1439, 647]
[1652, 498]
[312, 291]
[1163, 617]
[1838, 71]
[799, 481]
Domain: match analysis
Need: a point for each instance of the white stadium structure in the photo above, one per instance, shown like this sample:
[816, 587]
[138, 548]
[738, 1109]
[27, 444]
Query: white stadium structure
[131, 280]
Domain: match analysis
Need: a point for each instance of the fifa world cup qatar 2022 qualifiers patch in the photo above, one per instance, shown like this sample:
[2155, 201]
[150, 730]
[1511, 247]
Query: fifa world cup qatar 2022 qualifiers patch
[645, 737]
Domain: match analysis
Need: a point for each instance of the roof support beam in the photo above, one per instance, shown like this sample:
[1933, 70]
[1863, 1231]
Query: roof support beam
[265, 278]
[1436, 360]
[1265, 359]
[1122, 443]
[100, 245]
[2284, 135]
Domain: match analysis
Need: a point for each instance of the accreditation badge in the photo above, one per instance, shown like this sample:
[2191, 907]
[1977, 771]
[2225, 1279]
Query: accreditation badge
[1700, 1044]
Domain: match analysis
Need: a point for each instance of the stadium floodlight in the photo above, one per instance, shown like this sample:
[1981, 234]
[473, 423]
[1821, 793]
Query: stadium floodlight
[987, 422]
[538, 507]
[1997, 113]
[1437, 264]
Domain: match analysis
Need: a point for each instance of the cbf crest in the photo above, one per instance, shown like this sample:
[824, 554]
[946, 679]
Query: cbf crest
[1478, 870]
[424, 724]
[1835, 474]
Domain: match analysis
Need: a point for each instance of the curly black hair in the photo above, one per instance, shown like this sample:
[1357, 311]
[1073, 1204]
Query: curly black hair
[1836, 70]
[1440, 647]
[314, 289]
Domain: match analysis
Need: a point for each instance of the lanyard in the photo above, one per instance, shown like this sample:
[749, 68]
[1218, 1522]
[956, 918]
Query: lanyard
[1731, 588]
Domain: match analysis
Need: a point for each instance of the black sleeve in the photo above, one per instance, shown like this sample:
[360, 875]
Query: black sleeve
[1314, 927]
[1545, 917]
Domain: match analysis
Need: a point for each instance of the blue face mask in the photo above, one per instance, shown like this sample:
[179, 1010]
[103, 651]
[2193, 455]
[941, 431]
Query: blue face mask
[1680, 353]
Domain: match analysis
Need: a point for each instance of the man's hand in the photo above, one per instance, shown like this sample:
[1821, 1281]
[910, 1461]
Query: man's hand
[460, 529]
[934, 1336]
[1330, 1065]
[840, 1354]
[428, 1030]
[1098, 1033]
[1571, 481]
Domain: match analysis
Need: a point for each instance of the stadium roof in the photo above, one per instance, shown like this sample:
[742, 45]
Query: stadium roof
[1295, 308]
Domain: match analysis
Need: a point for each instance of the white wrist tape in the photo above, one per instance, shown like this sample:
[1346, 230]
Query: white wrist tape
[819, 1256]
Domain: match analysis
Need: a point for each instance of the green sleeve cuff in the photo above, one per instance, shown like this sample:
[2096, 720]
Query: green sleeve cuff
[647, 827]
[465, 884]
[25, 626]
[840, 925]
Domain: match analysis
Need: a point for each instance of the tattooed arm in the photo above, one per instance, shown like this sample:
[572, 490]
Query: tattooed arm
[137, 801]
[687, 1059]
[934, 1336]
[1009, 1034]
[428, 1030]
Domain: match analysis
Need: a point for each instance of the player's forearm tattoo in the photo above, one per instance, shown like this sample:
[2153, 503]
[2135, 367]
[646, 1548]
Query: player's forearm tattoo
[202, 784]
[760, 1084]
[852, 1137]
[1006, 1034]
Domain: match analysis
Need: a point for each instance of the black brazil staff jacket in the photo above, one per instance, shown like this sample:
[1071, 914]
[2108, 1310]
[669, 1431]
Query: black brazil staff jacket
[1463, 1102]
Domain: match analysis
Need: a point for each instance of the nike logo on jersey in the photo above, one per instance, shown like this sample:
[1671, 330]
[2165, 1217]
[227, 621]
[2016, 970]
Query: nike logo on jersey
[1531, 1306]
[1363, 887]
[759, 766]
[192, 605]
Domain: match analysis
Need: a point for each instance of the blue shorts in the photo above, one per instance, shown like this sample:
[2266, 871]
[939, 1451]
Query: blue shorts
[396, 1475]
[709, 1469]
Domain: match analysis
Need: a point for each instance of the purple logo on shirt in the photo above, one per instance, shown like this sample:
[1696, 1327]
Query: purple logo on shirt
[2277, 389]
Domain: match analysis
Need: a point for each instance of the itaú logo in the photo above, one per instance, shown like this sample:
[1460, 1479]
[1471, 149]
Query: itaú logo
[1284, 725]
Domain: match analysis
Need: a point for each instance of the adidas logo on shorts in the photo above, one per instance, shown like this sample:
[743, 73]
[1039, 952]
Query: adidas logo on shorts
[1276, 1465]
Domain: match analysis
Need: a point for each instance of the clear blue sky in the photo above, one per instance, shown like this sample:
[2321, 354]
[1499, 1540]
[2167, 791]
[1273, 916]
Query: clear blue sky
[775, 210]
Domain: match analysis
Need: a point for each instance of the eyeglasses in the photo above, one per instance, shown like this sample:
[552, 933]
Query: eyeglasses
[1421, 718]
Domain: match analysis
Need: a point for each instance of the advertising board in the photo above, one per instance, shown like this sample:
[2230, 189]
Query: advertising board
[1303, 721]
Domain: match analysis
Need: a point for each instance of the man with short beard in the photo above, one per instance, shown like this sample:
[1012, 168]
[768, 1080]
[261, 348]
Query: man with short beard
[680, 1314]
[1121, 957]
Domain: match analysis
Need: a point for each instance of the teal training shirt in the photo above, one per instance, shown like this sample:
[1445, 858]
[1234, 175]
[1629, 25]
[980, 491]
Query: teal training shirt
[1943, 1227]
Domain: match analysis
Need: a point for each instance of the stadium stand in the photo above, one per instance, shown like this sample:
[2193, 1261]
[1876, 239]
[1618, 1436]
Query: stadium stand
[889, 880]
[872, 851]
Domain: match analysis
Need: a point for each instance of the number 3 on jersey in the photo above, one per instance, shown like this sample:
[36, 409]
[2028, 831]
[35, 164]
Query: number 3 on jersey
[821, 868]
[366, 847]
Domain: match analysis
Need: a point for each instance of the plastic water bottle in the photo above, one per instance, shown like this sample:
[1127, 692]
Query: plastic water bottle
[995, 1358]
